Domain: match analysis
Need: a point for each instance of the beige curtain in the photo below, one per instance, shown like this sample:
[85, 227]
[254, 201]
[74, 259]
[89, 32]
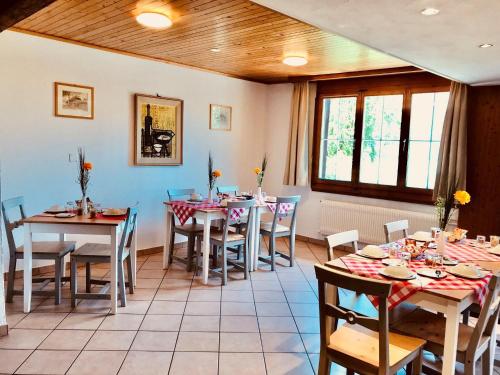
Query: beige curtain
[452, 163]
[299, 157]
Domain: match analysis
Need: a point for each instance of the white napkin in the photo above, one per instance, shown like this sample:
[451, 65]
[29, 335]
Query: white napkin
[495, 250]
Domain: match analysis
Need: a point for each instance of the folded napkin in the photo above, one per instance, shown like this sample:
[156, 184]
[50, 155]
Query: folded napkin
[495, 250]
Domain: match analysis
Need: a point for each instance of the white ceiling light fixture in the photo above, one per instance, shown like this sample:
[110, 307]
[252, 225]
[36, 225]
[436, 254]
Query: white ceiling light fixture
[154, 20]
[485, 45]
[295, 60]
[429, 11]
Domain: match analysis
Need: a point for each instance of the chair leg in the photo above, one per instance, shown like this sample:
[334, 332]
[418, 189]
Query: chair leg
[470, 368]
[415, 367]
[465, 317]
[486, 362]
[272, 244]
[121, 284]
[57, 282]
[74, 278]
[214, 256]
[129, 274]
[245, 261]
[198, 253]
[292, 249]
[12, 277]
[190, 249]
[324, 364]
[224, 265]
[171, 244]
[88, 278]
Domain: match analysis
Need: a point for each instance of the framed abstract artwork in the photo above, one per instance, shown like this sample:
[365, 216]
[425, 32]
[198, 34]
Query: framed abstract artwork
[220, 117]
[74, 101]
[158, 130]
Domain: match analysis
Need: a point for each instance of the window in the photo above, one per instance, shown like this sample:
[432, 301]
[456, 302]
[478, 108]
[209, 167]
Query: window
[379, 136]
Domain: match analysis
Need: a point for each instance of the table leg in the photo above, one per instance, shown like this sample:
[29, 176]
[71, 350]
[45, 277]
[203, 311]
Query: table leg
[256, 234]
[169, 217]
[451, 339]
[114, 269]
[133, 254]
[62, 238]
[206, 247]
[28, 265]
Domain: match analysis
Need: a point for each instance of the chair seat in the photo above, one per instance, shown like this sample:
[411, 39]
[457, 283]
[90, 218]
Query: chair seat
[360, 342]
[56, 248]
[97, 250]
[267, 227]
[188, 229]
[431, 327]
[231, 237]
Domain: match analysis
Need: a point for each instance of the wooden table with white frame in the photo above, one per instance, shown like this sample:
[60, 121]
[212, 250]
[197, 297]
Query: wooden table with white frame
[76, 225]
[449, 302]
[207, 216]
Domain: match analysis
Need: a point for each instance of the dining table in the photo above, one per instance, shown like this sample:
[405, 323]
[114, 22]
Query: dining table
[208, 213]
[450, 295]
[82, 225]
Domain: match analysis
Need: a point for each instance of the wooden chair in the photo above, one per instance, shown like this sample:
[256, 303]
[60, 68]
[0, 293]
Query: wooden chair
[222, 240]
[474, 343]
[333, 240]
[190, 230]
[231, 190]
[275, 230]
[395, 226]
[362, 344]
[44, 250]
[92, 253]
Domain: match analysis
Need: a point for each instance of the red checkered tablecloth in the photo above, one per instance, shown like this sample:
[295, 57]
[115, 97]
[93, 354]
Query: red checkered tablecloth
[283, 207]
[402, 290]
[465, 252]
[185, 210]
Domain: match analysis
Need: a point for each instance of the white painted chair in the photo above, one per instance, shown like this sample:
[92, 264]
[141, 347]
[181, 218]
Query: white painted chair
[395, 226]
[343, 238]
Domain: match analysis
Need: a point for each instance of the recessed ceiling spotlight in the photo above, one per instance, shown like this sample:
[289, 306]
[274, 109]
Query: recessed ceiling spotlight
[215, 49]
[485, 45]
[429, 11]
[154, 20]
[295, 60]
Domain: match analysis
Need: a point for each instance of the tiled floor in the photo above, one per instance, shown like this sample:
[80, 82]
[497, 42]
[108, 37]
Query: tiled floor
[175, 325]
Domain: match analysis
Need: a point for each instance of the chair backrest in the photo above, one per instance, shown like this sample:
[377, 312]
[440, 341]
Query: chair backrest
[292, 212]
[234, 189]
[178, 194]
[231, 206]
[128, 231]
[395, 226]
[8, 206]
[488, 316]
[335, 312]
[342, 238]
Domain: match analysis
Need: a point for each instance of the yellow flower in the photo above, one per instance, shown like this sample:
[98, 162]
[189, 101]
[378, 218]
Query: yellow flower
[217, 173]
[257, 170]
[462, 197]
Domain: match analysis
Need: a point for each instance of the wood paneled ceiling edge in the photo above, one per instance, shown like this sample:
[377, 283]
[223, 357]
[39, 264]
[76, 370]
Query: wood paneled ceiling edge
[14, 11]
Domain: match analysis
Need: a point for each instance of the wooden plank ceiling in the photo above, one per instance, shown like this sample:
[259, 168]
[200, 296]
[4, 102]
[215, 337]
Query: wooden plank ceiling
[252, 39]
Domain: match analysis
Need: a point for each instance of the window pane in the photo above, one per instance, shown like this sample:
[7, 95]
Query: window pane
[426, 125]
[380, 142]
[337, 138]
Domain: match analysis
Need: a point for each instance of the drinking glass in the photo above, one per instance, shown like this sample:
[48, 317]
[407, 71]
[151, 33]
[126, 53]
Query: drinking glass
[405, 257]
[393, 250]
[481, 240]
[70, 206]
[494, 240]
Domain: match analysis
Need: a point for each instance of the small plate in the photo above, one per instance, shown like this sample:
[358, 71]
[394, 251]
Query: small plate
[482, 275]
[56, 210]
[373, 257]
[65, 215]
[421, 239]
[119, 213]
[450, 262]
[431, 272]
[391, 262]
[410, 277]
[192, 201]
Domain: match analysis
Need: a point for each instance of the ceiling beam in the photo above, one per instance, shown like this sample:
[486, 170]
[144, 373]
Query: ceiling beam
[14, 11]
[358, 74]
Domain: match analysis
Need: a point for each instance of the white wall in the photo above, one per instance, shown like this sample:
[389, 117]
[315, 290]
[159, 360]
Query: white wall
[276, 143]
[34, 145]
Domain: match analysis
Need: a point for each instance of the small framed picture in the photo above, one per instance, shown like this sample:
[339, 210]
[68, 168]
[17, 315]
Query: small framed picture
[75, 101]
[220, 117]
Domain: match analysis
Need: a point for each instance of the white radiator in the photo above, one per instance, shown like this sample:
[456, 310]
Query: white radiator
[368, 220]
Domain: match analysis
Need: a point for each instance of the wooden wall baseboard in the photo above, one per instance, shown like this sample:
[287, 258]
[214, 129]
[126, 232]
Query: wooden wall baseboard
[37, 271]
[310, 240]
[4, 330]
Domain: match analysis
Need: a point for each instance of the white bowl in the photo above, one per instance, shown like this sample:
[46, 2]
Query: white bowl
[373, 251]
[421, 236]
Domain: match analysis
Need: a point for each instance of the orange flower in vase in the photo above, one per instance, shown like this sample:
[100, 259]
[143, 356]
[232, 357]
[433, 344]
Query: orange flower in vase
[87, 166]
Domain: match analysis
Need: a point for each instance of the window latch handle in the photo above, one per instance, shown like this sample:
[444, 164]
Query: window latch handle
[404, 144]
